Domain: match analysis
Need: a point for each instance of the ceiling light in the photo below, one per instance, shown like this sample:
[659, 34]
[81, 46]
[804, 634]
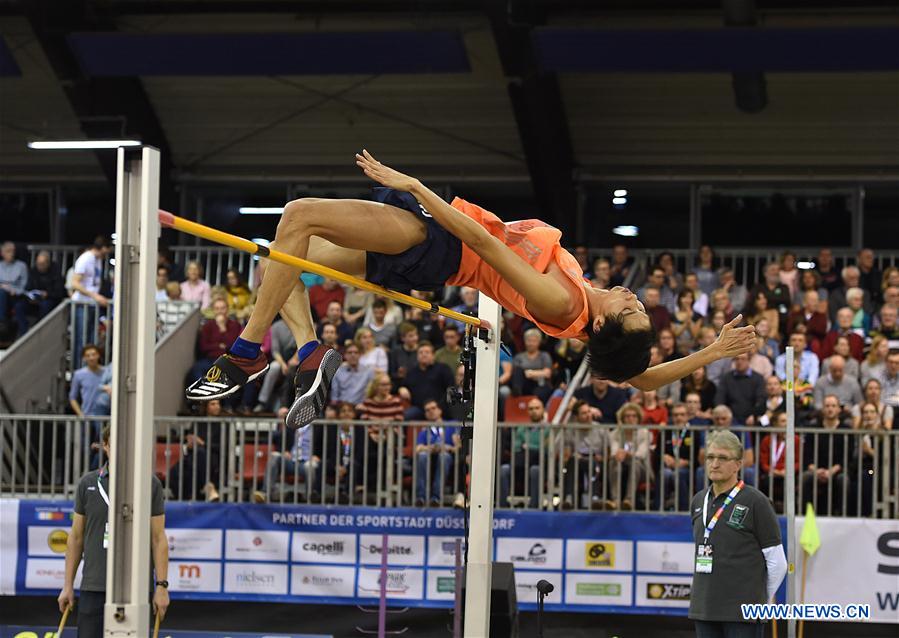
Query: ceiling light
[620, 192]
[261, 210]
[626, 231]
[805, 265]
[619, 201]
[75, 145]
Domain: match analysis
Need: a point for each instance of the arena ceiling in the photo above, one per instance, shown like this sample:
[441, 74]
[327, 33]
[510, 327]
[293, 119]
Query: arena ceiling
[541, 93]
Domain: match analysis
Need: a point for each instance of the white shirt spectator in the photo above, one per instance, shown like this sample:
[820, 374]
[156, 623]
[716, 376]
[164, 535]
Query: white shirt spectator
[90, 267]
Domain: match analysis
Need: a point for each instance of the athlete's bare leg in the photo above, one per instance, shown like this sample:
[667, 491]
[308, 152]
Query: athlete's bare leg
[348, 223]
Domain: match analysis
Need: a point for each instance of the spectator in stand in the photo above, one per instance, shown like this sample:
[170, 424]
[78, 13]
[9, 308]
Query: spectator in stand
[758, 311]
[838, 298]
[87, 277]
[629, 455]
[46, 287]
[777, 295]
[371, 355]
[878, 465]
[469, 306]
[658, 313]
[429, 325]
[673, 279]
[195, 288]
[789, 274]
[701, 303]
[698, 382]
[321, 295]
[238, 294]
[875, 363]
[843, 328]
[887, 326]
[743, 392]
[427, 380]
[603, 397]
[657, 280]
[393, 313]
[527, 441]
[328, 336]
[810, 316]
[810, 280]
[721, 303]
[695, 413]
[668, 346]
[162, 282]
[602, 273]
[89, 384]
[164, 258]
[869, 276]
[620, 266]
[715, 369]
[685, 322]
[449, 354]
[773, 461]
[351, 379]
[680, 457]
[13, 278]
[825, 476]
[436, 447]
[334, 445]
[382, 330]
[670, 392]
[334, 316]
[774, 402]
[404, 356]
[582, 255]
[837, 383]
[356, 305]
[567, 357]
[873, 397]
[735, 292]
[380, 404]
[769, 346]
[532, 369]
[807, 368]
[889, 380]
[861, 319]
[216, 336]
[654, 412]
[830, 278]
[705, 270]
[841, 348]
[758, 362]
[285, 359]
[297, 462]
[590, 452]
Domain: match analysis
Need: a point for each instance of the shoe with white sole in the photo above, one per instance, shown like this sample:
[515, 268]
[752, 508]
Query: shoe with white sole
[226, 376]
[313, 383]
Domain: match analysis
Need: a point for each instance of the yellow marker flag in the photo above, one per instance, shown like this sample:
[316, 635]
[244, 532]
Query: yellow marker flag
[809, 539]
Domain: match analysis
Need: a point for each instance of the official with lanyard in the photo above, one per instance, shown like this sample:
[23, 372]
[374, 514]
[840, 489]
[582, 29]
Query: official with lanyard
[738, 556]
[89, 539]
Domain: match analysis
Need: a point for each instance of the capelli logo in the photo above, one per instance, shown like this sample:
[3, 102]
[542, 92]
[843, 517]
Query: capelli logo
[325, 549]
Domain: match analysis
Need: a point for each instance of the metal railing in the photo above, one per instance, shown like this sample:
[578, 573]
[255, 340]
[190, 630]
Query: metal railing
[572, 467]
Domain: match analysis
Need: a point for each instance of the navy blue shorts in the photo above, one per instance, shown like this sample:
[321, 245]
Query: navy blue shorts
[425, 266]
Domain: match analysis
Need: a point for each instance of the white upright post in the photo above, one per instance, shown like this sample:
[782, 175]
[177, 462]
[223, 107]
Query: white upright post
[483, 460]
[127, 612]
[790, 489]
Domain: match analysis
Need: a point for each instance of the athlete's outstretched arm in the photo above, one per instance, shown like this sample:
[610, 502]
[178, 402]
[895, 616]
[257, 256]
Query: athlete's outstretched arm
[544, 295]
[731, 342]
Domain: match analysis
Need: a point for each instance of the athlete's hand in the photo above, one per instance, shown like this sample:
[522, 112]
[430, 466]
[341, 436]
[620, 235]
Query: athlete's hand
[733, 341]
[384, 175]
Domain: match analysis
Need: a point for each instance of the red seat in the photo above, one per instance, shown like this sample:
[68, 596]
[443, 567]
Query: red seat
[255, 460]
[553, 406]
[167, 454]
[517, 409]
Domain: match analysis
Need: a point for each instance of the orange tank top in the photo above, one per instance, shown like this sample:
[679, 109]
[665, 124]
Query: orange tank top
[534, 241]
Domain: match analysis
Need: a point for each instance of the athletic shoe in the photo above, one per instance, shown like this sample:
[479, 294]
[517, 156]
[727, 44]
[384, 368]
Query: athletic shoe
[313, 382]
[226, 376]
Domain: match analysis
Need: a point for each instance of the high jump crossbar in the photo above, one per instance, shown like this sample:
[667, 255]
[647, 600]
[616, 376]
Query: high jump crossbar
[239, 243]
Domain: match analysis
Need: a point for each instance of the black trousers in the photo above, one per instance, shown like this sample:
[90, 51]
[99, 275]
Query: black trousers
[90, 614]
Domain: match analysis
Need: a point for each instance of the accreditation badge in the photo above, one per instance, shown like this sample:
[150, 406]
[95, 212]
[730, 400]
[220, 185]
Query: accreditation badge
[106, 536]
[704, 558]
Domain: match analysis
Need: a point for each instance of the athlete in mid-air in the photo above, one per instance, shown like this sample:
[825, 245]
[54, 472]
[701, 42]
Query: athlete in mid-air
[410, 238]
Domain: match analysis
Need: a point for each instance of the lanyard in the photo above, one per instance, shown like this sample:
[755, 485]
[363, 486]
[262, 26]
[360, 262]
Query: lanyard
[705, 509]
[776, 452]
[103, 493]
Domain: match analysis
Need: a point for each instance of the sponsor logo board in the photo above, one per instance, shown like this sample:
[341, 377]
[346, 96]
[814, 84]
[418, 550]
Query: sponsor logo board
[663, 591]
[599, 554]
[598, 589]
[194, 543]
[401, 583]
[195, 576]
[255, 578]
[530, 553]
[248, 544]
[442, 550]
[44, 540]
[656, 556]
[48, 573]
[309, 547]
[322, 580]
[401, 550]
[526, 586]
[441, 584]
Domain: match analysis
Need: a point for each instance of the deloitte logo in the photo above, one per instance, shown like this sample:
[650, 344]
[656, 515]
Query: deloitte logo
[392, 550]
[536, 555]
[335, 548]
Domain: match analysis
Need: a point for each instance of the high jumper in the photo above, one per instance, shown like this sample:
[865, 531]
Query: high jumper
[410, 238]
